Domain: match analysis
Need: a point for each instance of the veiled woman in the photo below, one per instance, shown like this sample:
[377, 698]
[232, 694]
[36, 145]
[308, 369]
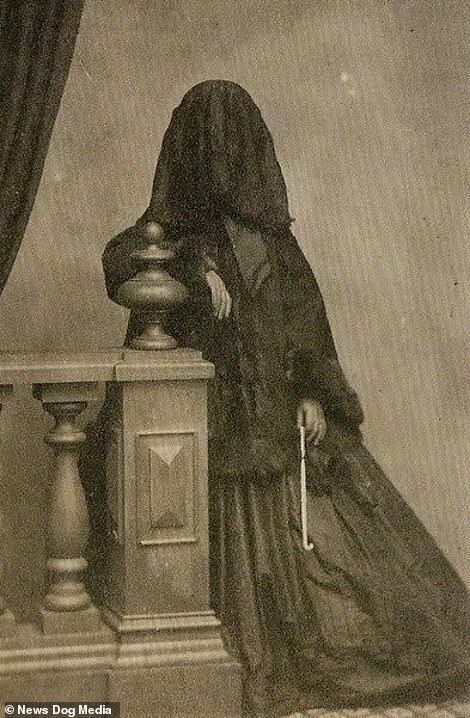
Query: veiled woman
[374, 611]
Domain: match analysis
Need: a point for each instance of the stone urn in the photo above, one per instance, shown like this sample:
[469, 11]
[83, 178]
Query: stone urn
[153, 293]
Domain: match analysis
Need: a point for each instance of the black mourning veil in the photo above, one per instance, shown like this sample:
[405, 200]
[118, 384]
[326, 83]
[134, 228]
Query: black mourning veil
[217, 155]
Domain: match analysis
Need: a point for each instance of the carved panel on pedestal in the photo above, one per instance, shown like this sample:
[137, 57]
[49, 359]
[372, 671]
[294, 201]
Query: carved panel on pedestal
[165, 478]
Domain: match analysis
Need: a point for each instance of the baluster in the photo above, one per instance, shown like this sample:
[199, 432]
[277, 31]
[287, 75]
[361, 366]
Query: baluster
[7, 620]
[67, 605]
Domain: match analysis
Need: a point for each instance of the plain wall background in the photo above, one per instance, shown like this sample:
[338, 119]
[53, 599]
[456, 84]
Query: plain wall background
[366, 103]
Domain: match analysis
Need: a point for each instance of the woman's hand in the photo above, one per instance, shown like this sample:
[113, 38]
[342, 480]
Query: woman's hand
[310, 414]
[221, 299]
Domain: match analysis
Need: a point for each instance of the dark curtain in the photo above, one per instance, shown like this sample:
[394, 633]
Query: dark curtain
[37, 39]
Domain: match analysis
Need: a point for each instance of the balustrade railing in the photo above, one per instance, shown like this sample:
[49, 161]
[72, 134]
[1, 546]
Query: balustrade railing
[64, 383]
[155, 600]
[154, 611]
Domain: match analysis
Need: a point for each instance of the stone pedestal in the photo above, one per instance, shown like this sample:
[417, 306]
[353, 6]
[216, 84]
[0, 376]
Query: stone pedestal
[156, 591]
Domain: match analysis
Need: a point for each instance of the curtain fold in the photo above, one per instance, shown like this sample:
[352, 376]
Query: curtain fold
[37, 39]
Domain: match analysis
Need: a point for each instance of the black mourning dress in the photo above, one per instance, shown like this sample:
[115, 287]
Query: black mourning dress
[375, 611]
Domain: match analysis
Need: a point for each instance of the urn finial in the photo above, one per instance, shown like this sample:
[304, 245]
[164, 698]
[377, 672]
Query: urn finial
[153, 292]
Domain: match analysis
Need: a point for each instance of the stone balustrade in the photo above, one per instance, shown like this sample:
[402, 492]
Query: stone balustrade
[153, 625]
[64, 383]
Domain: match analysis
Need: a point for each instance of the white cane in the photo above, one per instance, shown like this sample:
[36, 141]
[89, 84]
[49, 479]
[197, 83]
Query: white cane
[303, 492]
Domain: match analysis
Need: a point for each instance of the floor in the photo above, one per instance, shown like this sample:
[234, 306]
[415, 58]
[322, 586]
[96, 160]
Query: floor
[448, 709]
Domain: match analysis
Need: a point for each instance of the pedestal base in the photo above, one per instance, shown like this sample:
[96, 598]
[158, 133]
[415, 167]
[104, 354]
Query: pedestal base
[175, 665]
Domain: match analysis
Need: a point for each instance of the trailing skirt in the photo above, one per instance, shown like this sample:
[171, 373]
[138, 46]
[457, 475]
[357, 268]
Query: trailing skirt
[373, 613]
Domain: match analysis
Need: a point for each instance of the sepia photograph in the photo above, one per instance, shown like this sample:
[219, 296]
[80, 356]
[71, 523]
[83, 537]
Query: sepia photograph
[234, 358]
